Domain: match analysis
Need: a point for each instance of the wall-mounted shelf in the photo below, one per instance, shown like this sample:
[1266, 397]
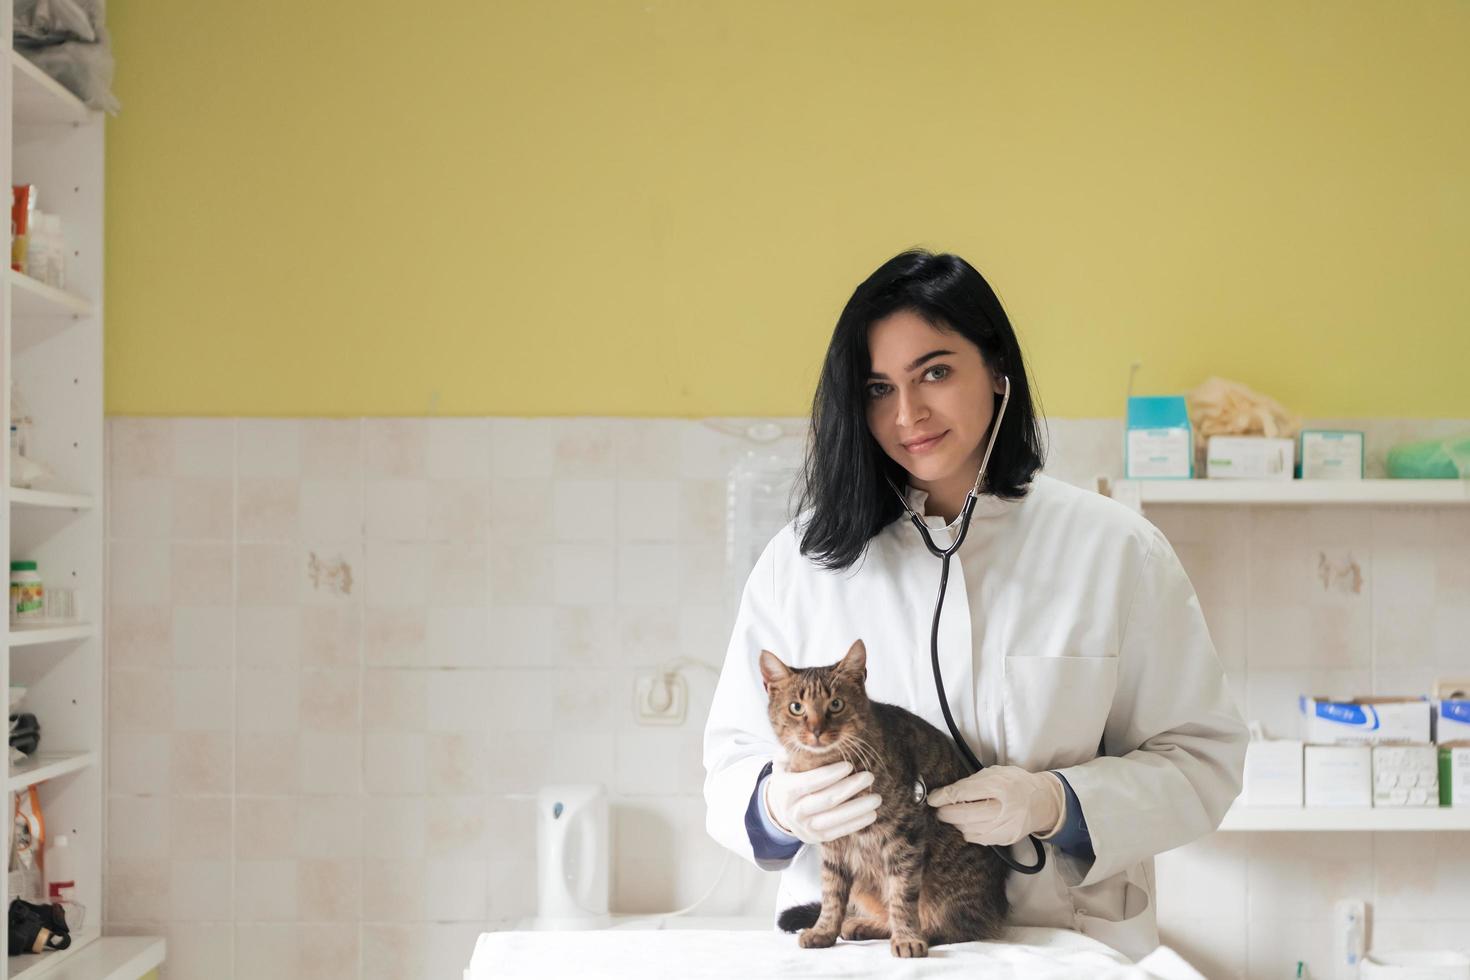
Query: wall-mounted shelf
[91, 957]
[1288, 493]
[1346, 818]
[21, 497]
[51, 356]
[48, 765]
[40, 100]
[27, 636]
[33, 298]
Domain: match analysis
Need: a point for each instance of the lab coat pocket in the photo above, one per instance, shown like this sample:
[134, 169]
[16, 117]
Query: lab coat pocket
[1118, 911]
[1055, 709]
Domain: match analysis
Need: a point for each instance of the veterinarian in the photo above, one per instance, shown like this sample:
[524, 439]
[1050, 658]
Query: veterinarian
[1074, 653]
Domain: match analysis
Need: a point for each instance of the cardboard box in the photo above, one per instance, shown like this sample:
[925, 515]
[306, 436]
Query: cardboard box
[1454, 774]
[1273, 773]
[1405, 775]
[1159, 442]
[1371, 721]
[1330, 454]
[1250, 458]
[1454, 720]
[1338, 775]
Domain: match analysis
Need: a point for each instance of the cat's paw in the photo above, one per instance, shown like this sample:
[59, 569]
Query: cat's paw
[812, 939]
[910, 947]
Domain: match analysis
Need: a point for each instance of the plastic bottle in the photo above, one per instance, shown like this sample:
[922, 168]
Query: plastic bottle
[27, 594]
[55, 252]
[61, 881]
[38, 249]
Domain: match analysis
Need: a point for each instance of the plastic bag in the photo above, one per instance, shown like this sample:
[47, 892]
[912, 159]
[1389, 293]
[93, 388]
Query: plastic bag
[1431, 459]
[1228, 408]
[67, 40]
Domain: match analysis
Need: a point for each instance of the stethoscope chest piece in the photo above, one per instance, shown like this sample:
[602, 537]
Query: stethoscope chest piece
[921, 792]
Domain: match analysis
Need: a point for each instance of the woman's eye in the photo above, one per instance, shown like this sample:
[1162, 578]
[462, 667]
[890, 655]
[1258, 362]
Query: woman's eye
[877, 390]
[795, 707]
[836, 705]
[939, 367]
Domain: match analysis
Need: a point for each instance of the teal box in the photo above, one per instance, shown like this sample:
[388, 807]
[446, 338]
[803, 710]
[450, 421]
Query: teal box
[1330, 454]
[1158, 443]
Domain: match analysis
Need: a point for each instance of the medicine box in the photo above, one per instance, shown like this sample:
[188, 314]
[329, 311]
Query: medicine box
[1365, 720]
[1159, 443]
[1454, 720]
[1405, 775]
[1324, 454]
[1273, 773]
[1338, 775]
[1249, 458]
[1454, 774]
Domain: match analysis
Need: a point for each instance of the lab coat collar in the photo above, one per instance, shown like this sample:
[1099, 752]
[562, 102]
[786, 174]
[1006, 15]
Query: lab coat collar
[987, 506]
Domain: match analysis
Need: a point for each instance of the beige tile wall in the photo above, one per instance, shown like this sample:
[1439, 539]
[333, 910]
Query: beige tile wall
[338, 650]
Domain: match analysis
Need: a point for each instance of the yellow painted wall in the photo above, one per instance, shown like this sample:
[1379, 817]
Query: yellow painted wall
[651, 207]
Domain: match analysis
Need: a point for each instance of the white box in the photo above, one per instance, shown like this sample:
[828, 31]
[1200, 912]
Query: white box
[1250, 458]
[1454, 720]
[1273, 773]
[1405, 775]
[1372, 721]
[1331, 455]
[1338, 775]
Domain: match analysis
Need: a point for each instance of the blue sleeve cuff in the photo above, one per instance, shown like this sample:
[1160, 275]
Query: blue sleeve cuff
[773, 847]
[1073, 838]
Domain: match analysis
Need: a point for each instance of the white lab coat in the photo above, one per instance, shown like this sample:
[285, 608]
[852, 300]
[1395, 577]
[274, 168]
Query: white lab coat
[1092, 659]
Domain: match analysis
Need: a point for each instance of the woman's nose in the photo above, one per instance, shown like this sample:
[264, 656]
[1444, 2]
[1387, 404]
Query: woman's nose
[911, 409]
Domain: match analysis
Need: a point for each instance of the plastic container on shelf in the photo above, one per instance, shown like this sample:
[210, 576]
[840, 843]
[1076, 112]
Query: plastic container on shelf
[27, 594]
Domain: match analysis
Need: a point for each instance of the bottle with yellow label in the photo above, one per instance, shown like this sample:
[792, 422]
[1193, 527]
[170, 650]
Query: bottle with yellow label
[27, 595]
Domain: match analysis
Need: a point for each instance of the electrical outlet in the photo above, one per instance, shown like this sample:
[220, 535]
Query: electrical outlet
[660, 697]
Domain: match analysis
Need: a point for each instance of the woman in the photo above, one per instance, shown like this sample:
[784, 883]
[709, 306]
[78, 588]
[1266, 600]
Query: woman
[1075, 656]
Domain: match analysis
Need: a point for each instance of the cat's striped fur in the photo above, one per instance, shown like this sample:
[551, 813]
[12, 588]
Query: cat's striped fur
[906, 877]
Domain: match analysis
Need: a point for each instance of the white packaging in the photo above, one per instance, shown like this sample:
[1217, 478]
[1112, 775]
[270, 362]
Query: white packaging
[1331, 455]
[1338, 775]
[1158, 454]
[1454, 720]
[1273, 773]
[1371, 721]
[1405, 775]
[1249, 458]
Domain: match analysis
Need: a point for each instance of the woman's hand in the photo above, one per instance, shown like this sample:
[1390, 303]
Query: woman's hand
[817, 805]
[1002, 804]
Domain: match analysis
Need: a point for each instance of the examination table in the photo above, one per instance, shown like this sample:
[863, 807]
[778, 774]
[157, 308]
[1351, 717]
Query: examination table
[699, 954]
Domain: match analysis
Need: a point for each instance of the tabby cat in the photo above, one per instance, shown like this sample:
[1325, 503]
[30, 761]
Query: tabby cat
[915, 881]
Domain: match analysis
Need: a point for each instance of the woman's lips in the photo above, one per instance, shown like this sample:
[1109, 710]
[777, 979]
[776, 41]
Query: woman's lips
[924, 447]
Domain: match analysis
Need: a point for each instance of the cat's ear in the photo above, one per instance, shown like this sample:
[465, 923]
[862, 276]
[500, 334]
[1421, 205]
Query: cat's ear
[773, 671]
[856, 661]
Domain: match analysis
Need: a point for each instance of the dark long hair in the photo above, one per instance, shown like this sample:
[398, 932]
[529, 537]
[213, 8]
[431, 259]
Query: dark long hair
[843, 482]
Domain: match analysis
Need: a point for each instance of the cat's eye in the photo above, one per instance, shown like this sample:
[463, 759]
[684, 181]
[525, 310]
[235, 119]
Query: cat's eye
[835, 706]
[795, 707]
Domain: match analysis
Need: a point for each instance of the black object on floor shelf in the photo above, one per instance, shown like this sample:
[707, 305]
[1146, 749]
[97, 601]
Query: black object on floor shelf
[36, 928]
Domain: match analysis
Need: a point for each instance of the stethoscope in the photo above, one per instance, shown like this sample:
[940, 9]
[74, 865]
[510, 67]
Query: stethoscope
[943, 554]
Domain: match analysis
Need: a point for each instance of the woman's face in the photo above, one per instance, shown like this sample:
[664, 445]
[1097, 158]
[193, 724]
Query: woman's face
[928, 384]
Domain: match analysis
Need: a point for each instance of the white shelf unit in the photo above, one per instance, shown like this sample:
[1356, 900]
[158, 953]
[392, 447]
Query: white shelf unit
[1292, 493]
[52, 352]
[1312, 493]
[1359, 818]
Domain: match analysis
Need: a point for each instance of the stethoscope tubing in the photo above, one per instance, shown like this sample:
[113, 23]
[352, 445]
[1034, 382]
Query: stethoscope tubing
[943, 554]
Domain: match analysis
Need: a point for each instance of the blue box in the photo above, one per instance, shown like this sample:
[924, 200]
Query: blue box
[1158, 443]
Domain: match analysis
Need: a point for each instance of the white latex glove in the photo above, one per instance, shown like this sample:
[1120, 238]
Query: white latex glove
[1003, 804]
[816, 805]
